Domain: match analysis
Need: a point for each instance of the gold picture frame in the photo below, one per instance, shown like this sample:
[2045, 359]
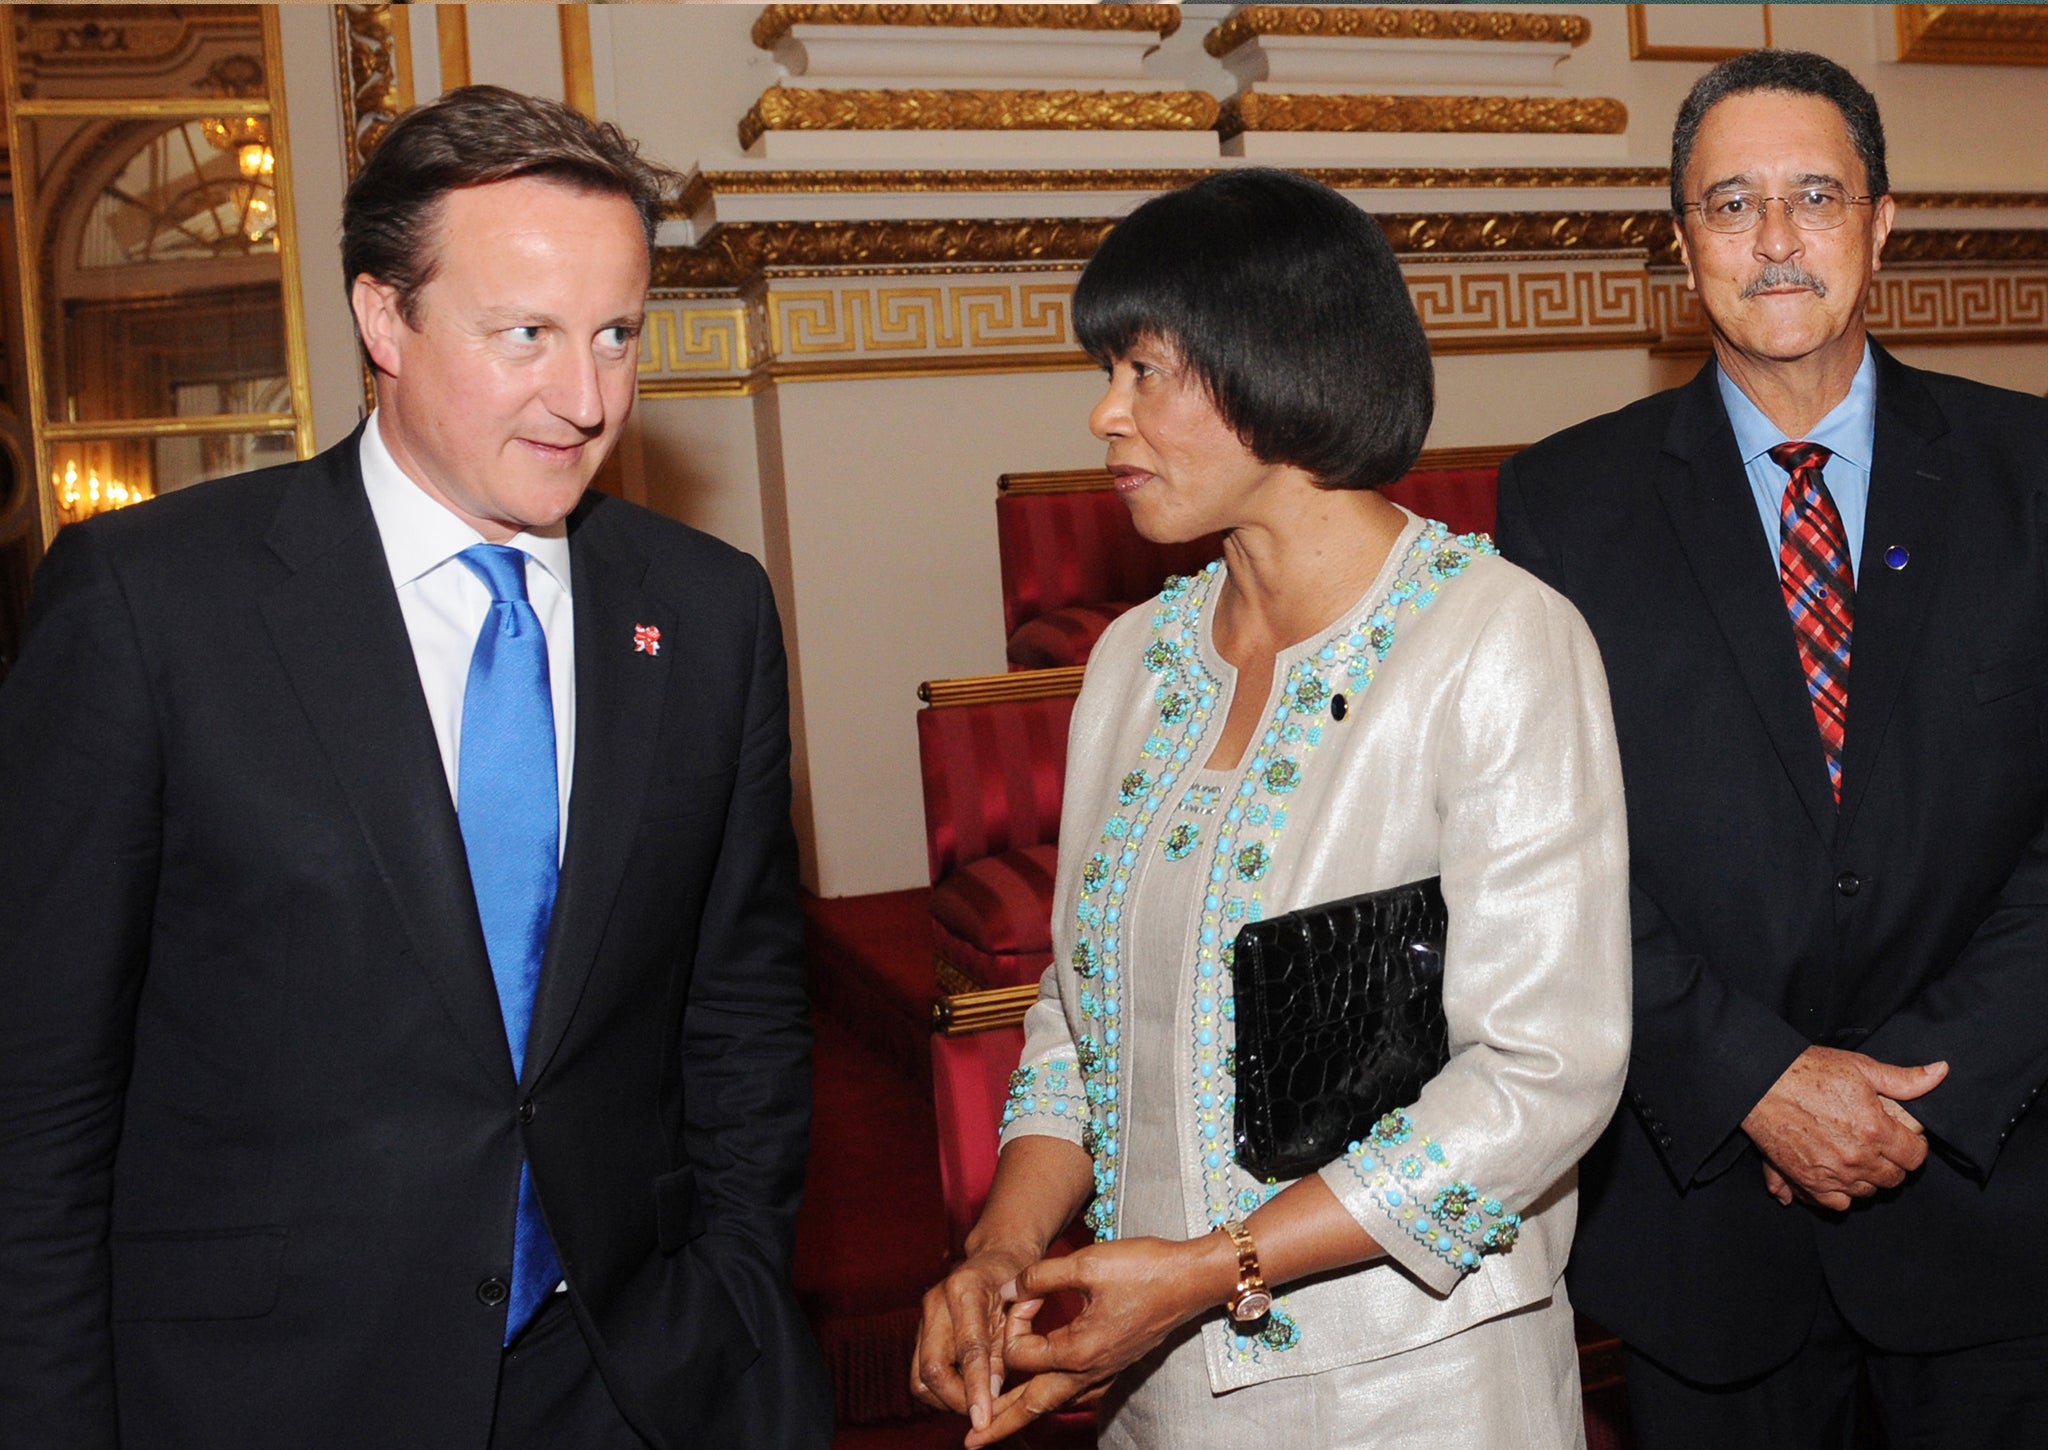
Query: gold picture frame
[1642, 47]
[1972, 34]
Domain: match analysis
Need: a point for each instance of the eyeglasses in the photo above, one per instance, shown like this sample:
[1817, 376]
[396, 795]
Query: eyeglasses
[1811, 209]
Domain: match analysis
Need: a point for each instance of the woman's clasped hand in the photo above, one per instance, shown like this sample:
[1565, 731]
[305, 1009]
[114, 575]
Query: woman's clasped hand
[980, 1353]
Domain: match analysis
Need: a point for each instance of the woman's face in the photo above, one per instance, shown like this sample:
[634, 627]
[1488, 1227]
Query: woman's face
[1180, 468]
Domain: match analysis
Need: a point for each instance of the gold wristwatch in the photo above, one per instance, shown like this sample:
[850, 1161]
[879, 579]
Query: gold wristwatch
[1251, 1300]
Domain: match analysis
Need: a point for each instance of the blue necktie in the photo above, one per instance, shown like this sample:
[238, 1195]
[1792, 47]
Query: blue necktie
[509, 808]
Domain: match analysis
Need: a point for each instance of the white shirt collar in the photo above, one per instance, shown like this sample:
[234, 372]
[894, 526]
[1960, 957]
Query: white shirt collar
[421, 533]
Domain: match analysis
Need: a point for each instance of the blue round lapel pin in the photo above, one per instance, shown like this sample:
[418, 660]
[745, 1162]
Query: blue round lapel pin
[1896, 557]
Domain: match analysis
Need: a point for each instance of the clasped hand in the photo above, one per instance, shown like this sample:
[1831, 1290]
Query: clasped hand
[979, 1326]
[1831, 1129]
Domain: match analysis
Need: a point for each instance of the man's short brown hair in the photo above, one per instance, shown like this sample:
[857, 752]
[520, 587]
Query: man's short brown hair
[470, 137]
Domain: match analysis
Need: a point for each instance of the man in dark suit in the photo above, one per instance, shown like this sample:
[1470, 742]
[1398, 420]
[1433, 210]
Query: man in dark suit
[323, 787]
[1819, 579]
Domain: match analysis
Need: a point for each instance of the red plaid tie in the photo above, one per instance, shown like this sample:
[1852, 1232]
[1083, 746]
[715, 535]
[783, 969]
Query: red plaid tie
[1819, 584]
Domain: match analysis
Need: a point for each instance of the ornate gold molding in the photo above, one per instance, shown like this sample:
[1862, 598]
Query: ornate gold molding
[1973, 34]
[704, 185]
[1965, 245]
[1384, 22]
[789, 302]
[776, 21]
[679, 339]
[366, 43]
[784, 108]
[928, 315]
[1970, 200]
[2002, 304]
[1519, 115]
[1467, 233]
[1585, 302]
[737, 252]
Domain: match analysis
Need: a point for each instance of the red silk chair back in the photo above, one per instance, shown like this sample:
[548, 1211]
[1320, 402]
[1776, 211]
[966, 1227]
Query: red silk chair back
[1078, 547]
[994, 769]
[970, 1080]
[1467, 499]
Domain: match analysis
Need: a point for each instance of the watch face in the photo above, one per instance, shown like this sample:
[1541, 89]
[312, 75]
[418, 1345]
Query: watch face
[1251, 1306]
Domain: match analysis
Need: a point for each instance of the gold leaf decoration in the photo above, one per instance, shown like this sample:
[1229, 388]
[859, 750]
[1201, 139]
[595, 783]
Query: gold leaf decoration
[739, 251]
[704, 185]
[1973, 34]
[1383, 22]
[366, 40]
[1518, 115]
[777, 20]
[783, 108]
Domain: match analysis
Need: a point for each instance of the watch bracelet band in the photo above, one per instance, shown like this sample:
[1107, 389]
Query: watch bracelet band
[1250, 1281]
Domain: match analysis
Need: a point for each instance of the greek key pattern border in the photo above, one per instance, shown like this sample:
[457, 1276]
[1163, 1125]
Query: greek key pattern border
[912, 323]
[1964, 304]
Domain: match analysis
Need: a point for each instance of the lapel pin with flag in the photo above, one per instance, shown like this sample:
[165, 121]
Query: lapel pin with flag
[646, 638]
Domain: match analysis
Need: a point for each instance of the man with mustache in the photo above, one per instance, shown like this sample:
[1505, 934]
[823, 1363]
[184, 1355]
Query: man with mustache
[1817, 578]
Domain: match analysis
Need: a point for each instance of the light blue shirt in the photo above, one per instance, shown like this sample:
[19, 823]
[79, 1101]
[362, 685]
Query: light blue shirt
[1849, 432]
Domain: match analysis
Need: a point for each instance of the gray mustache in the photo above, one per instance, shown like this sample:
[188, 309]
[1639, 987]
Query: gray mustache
[1785, 274]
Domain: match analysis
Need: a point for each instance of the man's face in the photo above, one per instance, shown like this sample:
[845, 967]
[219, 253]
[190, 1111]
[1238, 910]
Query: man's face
[1778, 293]
[511, 389]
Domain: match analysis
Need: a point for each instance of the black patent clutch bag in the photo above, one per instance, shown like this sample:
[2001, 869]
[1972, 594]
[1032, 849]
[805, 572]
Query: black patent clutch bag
[1340, 1019]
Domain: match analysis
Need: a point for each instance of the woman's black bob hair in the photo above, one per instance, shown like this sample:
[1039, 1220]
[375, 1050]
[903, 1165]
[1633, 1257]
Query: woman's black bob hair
[1285, 301]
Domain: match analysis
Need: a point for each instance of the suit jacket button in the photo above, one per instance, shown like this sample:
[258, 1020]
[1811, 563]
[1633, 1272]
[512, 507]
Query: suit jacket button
[492, 1292]
[526, 1111]
[1848, 883]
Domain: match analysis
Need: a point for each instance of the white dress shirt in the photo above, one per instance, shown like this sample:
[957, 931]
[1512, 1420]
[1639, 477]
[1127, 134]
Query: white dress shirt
[445, 605]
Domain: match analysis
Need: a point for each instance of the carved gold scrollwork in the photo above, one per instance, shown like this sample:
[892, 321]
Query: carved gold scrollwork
[704, 185]
[1519, 115]
[1446, 233]
[1383, 22]
[1986, 244]
[783, 108]
[736, 252]
[1973, 34]
[368, 45]
[777, 20]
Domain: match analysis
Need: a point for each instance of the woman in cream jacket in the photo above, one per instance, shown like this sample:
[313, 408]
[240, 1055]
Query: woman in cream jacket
[1352, 698]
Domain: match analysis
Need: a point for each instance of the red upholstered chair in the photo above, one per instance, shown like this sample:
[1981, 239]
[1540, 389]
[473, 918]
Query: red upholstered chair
[1465, 497]
[993, 754]
[977, 1038]
[1072, 563]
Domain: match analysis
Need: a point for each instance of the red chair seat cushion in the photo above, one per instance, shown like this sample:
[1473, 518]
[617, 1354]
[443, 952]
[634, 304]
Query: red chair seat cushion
[1061, 637]
[1000, 904]
[992, 918]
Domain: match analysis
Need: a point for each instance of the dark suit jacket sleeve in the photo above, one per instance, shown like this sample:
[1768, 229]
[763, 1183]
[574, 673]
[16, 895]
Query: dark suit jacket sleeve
[80, 785]
[746, 1031]
[1984, 1017]
[1704, 1052]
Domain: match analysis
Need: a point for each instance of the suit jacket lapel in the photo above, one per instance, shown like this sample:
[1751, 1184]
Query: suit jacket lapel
[1706, 493]
[619, 693]
[338, 630]
[1908, 507]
